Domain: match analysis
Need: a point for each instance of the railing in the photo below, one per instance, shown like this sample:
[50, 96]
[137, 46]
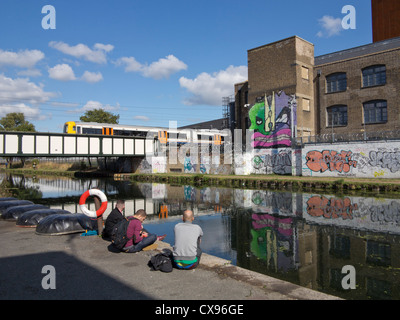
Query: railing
[347, 137]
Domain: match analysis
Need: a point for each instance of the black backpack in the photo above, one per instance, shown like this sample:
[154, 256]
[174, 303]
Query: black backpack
[118, 234]
[161, 261]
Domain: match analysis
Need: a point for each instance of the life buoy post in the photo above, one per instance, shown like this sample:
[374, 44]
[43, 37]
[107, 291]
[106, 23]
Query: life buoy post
[99, 210]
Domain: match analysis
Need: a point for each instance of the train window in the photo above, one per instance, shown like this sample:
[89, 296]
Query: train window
[90, 131]
[140, 133]
[122, 133]
[65, 128]
[78, 129]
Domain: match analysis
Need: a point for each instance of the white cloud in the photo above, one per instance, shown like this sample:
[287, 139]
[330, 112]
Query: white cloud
[21, 59]
[209, 89]
[104, 47]
[92, 77]
[62, 72]
[330, 26]
[21, 90]
[163, 68]
[82, 51]
[30, 73]
[142, 118]
[16, 94]
[91, 105]
[29, 112]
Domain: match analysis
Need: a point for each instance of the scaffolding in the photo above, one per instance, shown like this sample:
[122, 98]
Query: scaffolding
[226, 113]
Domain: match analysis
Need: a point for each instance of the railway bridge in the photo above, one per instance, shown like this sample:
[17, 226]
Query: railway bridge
[39, 144]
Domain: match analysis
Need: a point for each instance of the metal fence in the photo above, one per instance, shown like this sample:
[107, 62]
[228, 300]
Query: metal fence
[348, 137]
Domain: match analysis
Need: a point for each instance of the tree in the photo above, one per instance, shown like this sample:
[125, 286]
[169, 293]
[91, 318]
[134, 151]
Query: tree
[15, 121]
[99, 116]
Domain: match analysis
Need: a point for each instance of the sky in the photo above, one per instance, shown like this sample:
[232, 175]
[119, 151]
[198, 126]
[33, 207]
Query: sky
[150, 62]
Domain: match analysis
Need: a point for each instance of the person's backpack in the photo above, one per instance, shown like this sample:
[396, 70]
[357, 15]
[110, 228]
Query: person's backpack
[118, 234]
[161, 261]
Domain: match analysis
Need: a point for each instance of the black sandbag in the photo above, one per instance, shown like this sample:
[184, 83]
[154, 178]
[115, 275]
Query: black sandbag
[13, 213]
[59, 224]
[33, 217]
[4, 205]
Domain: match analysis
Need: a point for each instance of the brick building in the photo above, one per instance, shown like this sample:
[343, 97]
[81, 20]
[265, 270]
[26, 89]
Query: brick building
[357, 90]
[354, 91]
[280, 69]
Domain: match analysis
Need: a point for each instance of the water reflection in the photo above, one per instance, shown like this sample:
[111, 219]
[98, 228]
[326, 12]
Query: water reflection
[304, 238]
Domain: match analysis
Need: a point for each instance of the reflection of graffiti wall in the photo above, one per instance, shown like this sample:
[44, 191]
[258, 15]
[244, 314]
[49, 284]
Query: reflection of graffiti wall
[372, 214]
[273, 241]
[272, 121]
[369, 160]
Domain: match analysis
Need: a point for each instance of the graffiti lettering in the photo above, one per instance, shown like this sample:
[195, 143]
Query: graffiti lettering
[385, 213]
[390, 160]
[328, 159]
[332, 208]
[280, 163]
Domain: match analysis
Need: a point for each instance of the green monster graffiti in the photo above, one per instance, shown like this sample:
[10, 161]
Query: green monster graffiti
[271, 120]
[256, 115]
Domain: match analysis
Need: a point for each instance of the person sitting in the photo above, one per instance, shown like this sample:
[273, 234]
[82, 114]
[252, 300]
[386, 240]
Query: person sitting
[138, 237]
[113, 218]
[186, 250]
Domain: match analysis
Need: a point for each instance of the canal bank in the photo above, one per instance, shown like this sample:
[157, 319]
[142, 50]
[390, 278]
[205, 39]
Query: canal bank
[89, 268]
[274, 182]
[345, 185]
[303, 238]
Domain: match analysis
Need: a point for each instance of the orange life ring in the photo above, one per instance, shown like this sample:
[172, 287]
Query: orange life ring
[93, 192]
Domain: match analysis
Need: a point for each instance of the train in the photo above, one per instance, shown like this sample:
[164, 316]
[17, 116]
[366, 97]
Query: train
[164, 135]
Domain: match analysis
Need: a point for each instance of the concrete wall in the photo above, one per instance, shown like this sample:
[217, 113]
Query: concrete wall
[361, 160]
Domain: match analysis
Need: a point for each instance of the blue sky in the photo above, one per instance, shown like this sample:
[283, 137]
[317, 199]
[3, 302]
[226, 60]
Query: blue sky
[150, 61]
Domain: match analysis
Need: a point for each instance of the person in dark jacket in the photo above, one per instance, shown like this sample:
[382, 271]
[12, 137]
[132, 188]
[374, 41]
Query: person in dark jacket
[113, 218]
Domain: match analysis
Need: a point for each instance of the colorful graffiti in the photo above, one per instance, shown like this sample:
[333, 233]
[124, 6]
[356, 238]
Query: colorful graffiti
[272, 120]
[277, 161]
[390, 160]
[332, 208]
[328, 159]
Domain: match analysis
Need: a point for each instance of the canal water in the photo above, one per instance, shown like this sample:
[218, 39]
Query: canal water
[348, 246]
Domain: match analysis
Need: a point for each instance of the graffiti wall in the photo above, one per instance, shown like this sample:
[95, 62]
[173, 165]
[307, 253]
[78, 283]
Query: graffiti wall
[271, 120]
[364, 160]
[264, 161]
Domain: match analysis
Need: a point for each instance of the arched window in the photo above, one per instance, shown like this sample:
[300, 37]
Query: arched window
[336, 116]
[375, 111]
[374, 76]
[336, 82]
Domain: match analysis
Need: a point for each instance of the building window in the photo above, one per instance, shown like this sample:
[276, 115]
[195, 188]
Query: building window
[375, 111]
[336, 82]
[374, 76]
[304, 73]
[337, 116]
[306, 104]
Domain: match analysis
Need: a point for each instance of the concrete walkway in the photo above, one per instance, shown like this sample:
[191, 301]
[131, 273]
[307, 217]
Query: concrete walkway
[89, 268]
